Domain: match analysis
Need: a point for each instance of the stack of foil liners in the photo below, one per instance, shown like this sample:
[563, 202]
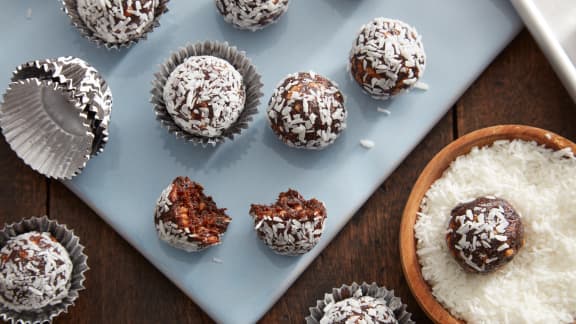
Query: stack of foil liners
[55, 115]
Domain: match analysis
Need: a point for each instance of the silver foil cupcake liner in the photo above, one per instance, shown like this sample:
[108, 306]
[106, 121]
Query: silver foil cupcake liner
[56, 114]
[86, 84]
[70, 7]
[47, 127]
[71, 243]
[92, 90]
[356, 290]
[40, 69]
[226, 52]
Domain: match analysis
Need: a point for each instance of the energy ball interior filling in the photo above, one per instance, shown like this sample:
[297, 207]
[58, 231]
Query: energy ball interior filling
[291, 226]
[187, 219]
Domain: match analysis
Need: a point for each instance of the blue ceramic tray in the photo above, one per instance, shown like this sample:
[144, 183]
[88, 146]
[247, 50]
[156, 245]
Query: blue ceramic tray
[461, 37]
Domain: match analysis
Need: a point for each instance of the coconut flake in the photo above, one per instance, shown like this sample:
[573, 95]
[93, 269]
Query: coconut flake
[322, 117]
[385, 111]
[251, 14]
[367, 144]
[113, 22]
[421, 86]
[35, 272]
[217, 260]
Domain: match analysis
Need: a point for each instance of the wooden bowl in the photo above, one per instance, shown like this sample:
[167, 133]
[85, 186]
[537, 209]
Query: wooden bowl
[434, 170]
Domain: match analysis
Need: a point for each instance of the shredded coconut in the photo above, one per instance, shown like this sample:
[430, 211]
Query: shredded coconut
[367, 144]
[387, 57]
[292, 226]
[421, 86]
[205, 95]
[35, 271]
[539, 284]
[118, 21]
[217, 260]
[385, 111]
[290, 237]
[358, 309]
[251, 14]
[307, 110]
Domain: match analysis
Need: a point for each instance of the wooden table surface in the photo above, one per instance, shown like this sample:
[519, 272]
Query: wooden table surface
[122, 287]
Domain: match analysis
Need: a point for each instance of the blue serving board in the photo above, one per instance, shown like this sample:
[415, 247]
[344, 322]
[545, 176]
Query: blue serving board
[238, 281]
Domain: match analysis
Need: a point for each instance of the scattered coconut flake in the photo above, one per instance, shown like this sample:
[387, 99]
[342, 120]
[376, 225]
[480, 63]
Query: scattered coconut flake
[217, 260]
[259, 224]
[29, 13]
[537, 182]
[421, 86]
[367, 144]
[385, 111]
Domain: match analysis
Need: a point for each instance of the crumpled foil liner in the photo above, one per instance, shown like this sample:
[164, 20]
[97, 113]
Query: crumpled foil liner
[71, 243]
[356, 290]
[236, 58]
[56, 114]
[70, 7]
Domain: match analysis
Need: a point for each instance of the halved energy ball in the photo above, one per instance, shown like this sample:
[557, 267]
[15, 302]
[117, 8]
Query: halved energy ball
[291, 226]
[188, 219]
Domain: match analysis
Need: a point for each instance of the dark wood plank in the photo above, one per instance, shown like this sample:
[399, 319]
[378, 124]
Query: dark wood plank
[121, 286]
[22, 191]
[367, 248]
[520, 87]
